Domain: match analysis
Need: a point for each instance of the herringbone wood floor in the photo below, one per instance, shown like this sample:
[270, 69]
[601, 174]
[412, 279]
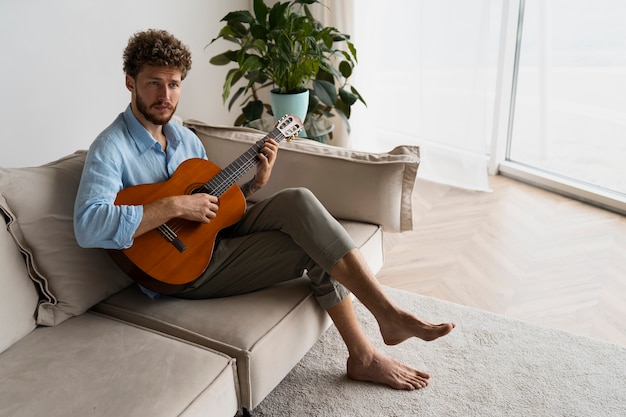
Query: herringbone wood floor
[518, 251]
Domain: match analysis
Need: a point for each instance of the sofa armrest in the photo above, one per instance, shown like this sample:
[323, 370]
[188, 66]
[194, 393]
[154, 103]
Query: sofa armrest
[353, 185]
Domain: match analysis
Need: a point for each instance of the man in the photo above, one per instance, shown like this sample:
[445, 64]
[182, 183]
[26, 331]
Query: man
[276, 240]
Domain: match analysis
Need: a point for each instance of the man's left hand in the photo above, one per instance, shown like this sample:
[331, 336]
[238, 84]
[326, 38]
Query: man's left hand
[266, 160]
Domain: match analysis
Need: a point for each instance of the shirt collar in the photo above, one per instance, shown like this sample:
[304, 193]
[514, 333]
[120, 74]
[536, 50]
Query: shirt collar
[142, 138]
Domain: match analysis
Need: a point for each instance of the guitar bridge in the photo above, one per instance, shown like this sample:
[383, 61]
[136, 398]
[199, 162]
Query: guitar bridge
[172, 237]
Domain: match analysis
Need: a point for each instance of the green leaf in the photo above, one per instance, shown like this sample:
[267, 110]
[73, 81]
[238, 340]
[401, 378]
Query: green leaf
[226, 32]
[347, 97]
[240, 120]
[256, 77]
[325, 91]
[355, 92]
[238, 29]
[251, 63]
[253, 110]
[232, 55]
[231, 78]
[240, 16]
[343, 107]
[340, 37]
[327, 40]
[260, 10]
[260, 46]
[235, 97]
[345, 68]
[236, 77]
[277, 15]
[221, 59]
[332, 71]
[324, 75]
[352, 50]
[259, 32]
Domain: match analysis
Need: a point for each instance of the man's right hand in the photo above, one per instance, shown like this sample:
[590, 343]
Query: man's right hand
[198, 207]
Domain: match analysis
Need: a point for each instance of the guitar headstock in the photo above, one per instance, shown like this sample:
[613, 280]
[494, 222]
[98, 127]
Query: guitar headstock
[289, 126]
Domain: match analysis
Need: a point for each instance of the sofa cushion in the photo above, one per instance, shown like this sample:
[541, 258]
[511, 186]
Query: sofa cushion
[18, 299]
[267, 331]
[353, 185]
[95, 366]
[39, 203]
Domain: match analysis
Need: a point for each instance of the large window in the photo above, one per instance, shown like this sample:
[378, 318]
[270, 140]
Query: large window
[569, 113]
[428, 72]
[539, 86]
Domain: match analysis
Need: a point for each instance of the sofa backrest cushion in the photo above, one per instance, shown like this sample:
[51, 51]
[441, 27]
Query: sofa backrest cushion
[39, 203]
[18, 298]
[353, 185]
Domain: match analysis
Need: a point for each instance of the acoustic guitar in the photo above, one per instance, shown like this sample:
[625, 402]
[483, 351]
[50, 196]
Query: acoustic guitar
[167, 259]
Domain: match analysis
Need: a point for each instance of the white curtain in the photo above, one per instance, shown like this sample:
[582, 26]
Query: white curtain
[427, 70]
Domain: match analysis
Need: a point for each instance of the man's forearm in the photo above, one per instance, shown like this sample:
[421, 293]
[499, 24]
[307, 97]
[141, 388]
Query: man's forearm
[250, 187]
[154, 215]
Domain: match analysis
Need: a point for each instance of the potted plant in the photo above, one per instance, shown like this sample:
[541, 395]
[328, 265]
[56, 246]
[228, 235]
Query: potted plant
[286, 49]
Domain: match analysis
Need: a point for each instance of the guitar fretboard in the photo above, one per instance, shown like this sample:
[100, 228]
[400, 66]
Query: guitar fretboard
[223, 180]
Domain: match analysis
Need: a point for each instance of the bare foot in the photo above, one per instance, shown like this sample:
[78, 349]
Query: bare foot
[382, 369]
[405, 325]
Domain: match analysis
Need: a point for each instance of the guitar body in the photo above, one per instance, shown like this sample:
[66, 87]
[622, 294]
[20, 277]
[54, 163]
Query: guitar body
[153, 260]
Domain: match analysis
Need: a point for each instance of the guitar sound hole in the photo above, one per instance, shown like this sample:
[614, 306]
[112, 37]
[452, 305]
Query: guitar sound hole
[198, 188]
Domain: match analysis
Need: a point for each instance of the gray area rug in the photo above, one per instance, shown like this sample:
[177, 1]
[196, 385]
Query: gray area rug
[489, 365]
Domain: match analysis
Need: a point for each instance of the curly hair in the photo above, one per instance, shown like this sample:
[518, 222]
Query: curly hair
[158, 48]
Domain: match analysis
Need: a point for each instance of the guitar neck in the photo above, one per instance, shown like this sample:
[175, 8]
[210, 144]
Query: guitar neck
[229, 175]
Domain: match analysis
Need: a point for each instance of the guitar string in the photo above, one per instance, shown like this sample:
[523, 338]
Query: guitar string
[242, 167]
[177, 224]
[167, 232]
[224, 184]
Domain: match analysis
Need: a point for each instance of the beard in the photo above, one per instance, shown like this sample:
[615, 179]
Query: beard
[157, 119]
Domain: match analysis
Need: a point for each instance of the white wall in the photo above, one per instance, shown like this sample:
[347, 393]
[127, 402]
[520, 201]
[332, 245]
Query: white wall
[61, 68]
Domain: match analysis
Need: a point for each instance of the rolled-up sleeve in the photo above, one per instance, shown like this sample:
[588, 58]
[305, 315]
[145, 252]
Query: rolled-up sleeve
[98, 222]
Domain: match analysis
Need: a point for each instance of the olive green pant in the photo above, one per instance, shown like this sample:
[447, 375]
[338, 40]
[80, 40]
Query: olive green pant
[277, 240]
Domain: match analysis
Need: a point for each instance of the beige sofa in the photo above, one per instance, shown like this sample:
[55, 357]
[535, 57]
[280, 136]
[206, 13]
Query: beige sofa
[79, 339]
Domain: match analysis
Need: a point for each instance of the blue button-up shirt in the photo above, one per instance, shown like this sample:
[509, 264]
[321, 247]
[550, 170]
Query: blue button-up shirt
[123, 155]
